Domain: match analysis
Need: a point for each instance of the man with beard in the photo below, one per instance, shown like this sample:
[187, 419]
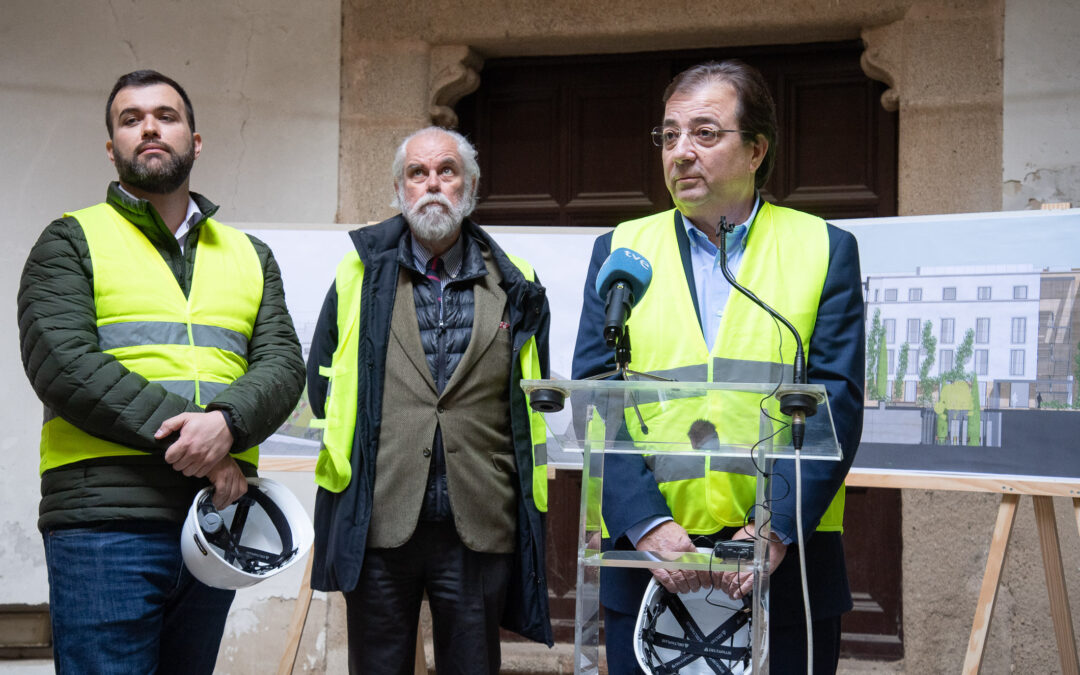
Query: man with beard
[432, 473]
[159, 342]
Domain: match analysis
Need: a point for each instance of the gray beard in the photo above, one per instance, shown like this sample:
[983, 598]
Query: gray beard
[434, 224]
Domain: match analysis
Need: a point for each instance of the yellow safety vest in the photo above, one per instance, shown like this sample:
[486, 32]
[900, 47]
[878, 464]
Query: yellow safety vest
[333, 470]
[785, 263]
[193, 346]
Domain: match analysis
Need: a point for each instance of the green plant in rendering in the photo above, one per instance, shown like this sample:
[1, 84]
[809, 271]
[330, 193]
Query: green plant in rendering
[874, 337]
[975, 414]
[881, 382]
[901, 371]
[942, 415]
[963, 353]
[927, 384]
[1076, 376]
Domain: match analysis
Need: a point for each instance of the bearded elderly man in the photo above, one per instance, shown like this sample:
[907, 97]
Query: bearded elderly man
[159, 341]
[432, 473]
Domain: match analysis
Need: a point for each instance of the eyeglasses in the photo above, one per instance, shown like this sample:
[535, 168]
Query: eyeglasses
[702, 137]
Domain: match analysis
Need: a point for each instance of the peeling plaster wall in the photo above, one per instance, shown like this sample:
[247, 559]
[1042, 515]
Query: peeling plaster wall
[1041, 150]
[264, 79]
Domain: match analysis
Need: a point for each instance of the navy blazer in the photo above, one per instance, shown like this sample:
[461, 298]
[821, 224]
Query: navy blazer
[836, 359]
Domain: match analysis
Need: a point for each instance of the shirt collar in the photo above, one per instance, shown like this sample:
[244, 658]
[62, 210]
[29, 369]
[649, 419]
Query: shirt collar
[192, 216]
[736, 237]
[451, 259]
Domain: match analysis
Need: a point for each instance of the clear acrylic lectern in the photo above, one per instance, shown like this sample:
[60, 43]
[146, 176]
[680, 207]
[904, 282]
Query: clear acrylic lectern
[731, 427]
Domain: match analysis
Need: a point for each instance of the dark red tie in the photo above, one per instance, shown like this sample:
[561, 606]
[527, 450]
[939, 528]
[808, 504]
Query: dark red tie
[433, 274]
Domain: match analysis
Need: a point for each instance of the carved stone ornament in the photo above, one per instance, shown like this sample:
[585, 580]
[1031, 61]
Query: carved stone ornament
[454, 73]
[883, 60]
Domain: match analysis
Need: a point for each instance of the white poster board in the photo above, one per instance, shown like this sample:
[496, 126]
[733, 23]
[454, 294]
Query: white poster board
[1013, 278]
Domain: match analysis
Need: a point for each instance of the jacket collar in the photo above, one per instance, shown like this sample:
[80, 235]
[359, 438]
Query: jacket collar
[472, 259]
[143, 215]
[385, 239]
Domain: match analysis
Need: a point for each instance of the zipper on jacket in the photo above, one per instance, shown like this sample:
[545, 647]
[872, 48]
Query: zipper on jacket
[441, 363]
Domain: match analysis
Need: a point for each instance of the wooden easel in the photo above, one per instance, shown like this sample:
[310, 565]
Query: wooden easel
[1042, 492]
[303, 596]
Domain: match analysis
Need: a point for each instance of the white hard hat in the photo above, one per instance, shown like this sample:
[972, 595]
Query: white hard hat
[701, 633]
[259, 535]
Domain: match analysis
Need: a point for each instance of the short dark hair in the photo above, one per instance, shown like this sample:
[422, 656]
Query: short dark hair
[145, 78]
[755, 112]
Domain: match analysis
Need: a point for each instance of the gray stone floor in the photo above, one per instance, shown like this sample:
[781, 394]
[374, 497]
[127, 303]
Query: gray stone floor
[27, 667]
[521, 660]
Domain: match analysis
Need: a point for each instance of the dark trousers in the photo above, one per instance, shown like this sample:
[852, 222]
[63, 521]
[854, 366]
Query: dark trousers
[787, 646]
[466, 593]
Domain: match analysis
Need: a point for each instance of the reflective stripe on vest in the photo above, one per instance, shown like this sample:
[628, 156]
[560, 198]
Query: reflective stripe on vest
[333, 469]
[192, 346]
[785, 264]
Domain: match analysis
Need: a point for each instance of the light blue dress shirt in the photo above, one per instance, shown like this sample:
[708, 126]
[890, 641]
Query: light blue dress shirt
[709, 282]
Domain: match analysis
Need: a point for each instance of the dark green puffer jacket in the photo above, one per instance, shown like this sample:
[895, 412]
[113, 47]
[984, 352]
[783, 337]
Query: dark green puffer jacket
[93, 391]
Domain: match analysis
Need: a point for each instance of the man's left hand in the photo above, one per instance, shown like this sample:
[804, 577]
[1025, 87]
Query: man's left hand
[228, 481]
[740, 584]
[204, 440]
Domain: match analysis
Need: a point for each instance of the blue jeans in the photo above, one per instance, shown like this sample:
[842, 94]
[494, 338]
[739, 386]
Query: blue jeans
[122, 602]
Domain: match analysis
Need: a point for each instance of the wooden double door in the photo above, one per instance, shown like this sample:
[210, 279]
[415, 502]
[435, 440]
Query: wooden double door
[564, 141]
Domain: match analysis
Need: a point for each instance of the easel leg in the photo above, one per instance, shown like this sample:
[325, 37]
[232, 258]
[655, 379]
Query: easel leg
[984, 611]
[1076, 511]
[296, 624]
[1055, 584]
[420, 664]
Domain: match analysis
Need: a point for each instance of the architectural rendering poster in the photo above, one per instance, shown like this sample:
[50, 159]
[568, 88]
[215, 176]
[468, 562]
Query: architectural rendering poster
[972, 325]
[972, 334]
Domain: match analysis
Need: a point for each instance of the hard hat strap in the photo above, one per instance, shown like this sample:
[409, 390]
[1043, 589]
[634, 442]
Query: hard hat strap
[695, 644]
[246, 558]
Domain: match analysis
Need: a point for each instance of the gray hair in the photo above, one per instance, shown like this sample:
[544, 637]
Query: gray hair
[464, 148]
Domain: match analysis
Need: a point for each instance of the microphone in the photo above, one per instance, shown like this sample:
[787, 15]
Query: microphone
[797, 405]
[622, 281]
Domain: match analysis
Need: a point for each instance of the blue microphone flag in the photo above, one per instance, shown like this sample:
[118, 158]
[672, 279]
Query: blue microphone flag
[627, 266]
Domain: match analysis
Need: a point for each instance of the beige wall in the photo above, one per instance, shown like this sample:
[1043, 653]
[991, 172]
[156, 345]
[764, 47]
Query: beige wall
[1041, 154]
[264, 79]
[946, 535]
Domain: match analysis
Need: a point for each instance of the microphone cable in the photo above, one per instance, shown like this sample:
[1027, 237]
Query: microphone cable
[797, 430]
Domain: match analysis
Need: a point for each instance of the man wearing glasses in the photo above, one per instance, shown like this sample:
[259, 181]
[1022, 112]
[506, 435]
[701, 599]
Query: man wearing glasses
[718, 141]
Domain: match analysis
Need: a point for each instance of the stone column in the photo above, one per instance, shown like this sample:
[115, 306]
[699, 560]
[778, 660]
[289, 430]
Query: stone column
[384, 97]
[390, 88]
[944, 66]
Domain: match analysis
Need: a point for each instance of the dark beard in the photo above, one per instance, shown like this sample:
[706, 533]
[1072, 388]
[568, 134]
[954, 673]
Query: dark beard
[164, 177]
